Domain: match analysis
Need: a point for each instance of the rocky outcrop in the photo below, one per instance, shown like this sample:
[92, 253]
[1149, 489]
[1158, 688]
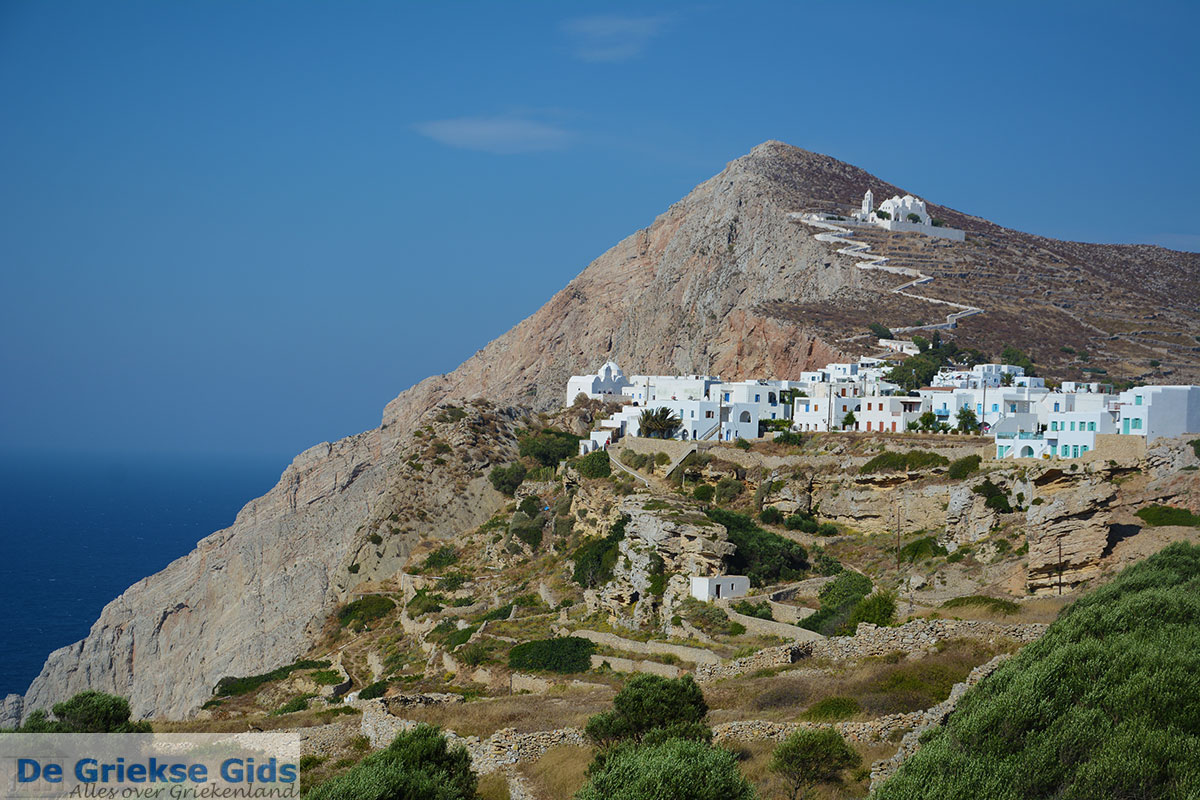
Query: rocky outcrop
[254, 596]
[1068, 530]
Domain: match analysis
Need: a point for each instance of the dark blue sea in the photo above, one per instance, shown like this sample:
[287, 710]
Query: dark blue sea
[76, 531]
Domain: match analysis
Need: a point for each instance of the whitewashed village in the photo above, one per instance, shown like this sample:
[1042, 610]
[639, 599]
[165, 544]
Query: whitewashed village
[1025, 417]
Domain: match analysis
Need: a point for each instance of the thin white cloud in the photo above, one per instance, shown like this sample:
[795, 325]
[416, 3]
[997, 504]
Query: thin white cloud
[611, 38]
[502, 135]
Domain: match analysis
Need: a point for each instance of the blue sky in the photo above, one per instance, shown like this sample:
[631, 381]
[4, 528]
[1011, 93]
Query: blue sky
[243, 227]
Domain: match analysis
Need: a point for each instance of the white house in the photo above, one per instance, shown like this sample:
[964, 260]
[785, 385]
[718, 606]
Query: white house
[715, 588]
[1159, 411]
[889, 413]
[608, 381]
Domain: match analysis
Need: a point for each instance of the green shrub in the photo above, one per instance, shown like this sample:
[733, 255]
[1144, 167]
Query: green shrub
[595, 559]
[762, 556]
[1155, 515]
[418, 765]
[352, 569]
[497, 614]
[86, 712]
[367, 608]
[801, 522]
[727, 489]
[760, 610]
[507, 479]
[996, 498]
[1195, 443]
[1105, 704]
[711, 619]
[673, 769]
[832, 709]
[648, 703]
[893, 461]
[326, 677]
[530, 506]
[371, 691]
[741, 444]
[962, 467]
[922, 549]
[704, 493]
[877, 609]
[548, 447]
[565, 654]
[957, 556]
[425, 603]
[789, 438]
[441, 558]
[527, 530]
[838, 599]
[879, 331]
[771, 516]
[827, 529]
[294, 705]
[993, 604]
[453, 581]
[662, 459]
[228, 687]
[375, 539]
[594, 465]
[808, 757]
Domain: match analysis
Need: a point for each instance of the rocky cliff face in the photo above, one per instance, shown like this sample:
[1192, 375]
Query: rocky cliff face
[254, 596]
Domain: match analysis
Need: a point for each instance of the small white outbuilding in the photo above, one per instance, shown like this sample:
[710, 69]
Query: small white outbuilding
[719, 586]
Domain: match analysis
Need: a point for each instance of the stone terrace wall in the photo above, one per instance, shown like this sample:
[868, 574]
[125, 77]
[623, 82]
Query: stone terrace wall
[871, 640]
[682, 652]
[618, 664]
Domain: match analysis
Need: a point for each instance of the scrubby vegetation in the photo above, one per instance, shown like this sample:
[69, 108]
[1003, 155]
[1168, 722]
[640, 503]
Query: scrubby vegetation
[594, 561]
[564, 654]
[962, 467]
[441, 558]
[838, 599]
[548, 447]
[712, 620]
[762, 556]
[1106, 704]
[373, 690]
[649, 706]
[507, 479]
[675, 769]
[594, 465]
[1156, 515]
[86, 712]
[417, 765]
[809, 757]
[760, 610]
[895, 461]
[995, 497]
[227, 687]
[922, 549]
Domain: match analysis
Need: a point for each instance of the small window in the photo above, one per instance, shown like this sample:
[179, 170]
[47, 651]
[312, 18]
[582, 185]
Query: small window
[995, 407]
[1072, 426]
[1091, 426]
[1137, 401]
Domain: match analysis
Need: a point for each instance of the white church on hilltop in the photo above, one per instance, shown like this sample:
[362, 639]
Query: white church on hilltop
[906, 213]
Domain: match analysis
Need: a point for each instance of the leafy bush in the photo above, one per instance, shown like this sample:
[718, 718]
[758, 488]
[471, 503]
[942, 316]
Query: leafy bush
[996, 498]
[371, 691]
[762, 556]
[594, 465]
[838, 599]
[880, 331]
[564, 654]
[674, 769]
[441, 558]
[827, 529]
[962, 467]
[527, 530]
[453, 581]
[1105, 704]
[367, 608]
[326, 677]
[497, 614]
[418, 765]
[922, 549]
[741, 444]
[594, 561]
[791, 438]
[727, 489]
[877, 609]
[86, 712]
[229, 686]
[1155, 515]
[548, 447]
[894, 461]
[292, 706]
[425, 603]
[507, 479]
[771, 515]
[649, 703]
[832, 709]
[801, 522]
[530, 506]
[994, 604]
[711, 619]
[704, 493]
[760, 610]
[808, 757]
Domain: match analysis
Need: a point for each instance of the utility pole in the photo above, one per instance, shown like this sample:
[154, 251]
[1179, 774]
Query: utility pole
[897, 538]
[1060, 566]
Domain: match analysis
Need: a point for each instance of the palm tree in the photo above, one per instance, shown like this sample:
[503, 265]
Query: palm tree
[658, 423]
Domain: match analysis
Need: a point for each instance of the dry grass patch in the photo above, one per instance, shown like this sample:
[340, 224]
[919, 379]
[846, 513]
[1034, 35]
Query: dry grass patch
[560, 773]
[493, 786]
[1036, 609]
[525, 713]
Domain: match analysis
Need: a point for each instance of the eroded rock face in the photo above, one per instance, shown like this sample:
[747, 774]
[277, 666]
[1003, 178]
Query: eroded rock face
[1068, 530]
[254, 596]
